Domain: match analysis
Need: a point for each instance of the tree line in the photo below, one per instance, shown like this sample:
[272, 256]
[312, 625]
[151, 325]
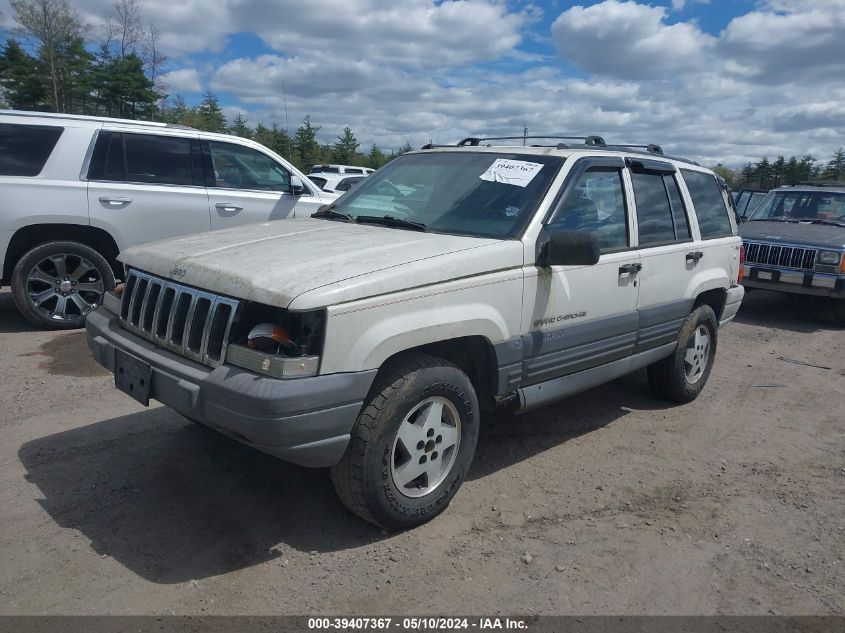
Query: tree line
[767, 174]
[49, 64]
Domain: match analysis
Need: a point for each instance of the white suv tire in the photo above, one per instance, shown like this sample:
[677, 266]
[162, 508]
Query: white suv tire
[56, 284]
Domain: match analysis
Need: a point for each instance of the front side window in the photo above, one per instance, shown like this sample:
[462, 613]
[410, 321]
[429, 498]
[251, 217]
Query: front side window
[24, 149]
[482, 194]
[709, 203]
[347, 183]
[239, 167]
[596, 204]
[158, 160]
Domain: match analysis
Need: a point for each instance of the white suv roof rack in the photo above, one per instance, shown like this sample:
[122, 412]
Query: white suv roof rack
[82, 117]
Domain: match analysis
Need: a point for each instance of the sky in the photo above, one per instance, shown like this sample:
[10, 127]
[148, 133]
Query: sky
[714, 80]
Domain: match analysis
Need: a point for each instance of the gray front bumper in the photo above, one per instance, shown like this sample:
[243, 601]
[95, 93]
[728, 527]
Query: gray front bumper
[794, 281]
[306, 421]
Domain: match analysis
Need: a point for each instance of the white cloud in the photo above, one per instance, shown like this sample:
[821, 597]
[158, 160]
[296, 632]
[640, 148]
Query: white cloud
[181, 81]
[769, 83]
[630, 40]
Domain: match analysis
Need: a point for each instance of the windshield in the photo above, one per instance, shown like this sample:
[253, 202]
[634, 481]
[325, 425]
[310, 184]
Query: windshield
[801, 205]
[466, 193]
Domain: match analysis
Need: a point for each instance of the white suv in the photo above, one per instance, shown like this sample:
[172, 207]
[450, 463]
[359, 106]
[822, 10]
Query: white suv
[452, 281]
[78, 190]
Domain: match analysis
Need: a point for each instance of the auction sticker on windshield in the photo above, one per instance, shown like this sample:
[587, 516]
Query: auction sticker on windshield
[512, 172]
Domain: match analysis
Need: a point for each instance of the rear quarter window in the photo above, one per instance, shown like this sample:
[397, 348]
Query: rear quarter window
[24, 149]
[710, 207]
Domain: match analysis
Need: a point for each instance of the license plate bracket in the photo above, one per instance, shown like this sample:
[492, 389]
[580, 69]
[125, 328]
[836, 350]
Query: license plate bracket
[132, 376]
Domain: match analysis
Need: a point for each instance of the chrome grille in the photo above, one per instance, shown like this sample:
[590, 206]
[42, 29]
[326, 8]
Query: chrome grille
[780, 255]
[187, 321]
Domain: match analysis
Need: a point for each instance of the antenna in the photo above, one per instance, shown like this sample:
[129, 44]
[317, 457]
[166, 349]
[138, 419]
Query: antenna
[287, 128]
[524, 134]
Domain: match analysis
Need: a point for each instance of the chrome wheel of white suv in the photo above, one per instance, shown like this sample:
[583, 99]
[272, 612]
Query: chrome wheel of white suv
[57, 284]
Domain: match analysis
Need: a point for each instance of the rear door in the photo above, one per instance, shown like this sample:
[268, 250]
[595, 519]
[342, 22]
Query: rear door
[246, 185]
[583, 316]
[668, 253]
[718, 242]
[145, 187]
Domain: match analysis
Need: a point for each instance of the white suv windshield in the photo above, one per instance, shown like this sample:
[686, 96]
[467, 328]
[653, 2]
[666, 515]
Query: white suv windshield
[801, 205]
[467, 193]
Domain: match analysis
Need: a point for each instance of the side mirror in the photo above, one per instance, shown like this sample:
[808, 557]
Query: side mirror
[569, 248]
[297, 187]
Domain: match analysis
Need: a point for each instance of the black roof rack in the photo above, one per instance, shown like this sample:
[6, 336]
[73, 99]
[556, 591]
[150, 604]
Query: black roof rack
[592, 142]
[819, 183]
[586, 140]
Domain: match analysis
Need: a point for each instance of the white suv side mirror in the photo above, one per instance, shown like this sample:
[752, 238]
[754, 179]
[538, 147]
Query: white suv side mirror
[297, 187]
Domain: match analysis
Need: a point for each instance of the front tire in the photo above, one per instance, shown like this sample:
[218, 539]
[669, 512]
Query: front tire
[682, 376]
[55, 285]
[412, 445]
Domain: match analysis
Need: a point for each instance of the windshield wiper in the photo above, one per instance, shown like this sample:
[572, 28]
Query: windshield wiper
[828, 222]
[331, 214]
[391, 220]
[771, 220]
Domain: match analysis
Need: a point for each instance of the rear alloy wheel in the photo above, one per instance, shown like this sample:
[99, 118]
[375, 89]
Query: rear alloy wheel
[56, 285]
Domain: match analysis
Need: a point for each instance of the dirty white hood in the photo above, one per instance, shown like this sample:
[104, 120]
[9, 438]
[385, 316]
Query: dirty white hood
[321, 261]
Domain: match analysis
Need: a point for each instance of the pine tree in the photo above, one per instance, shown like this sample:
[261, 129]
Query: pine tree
[175, 110]
[346, 147]
[778, 171]
[376, 157]
[239, 126]
[404, 149]
[306, 148]
[836, 166]
[764, 173]
[207, 116]
[19, 79]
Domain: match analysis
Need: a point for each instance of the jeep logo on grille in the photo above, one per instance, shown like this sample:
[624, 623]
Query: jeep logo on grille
[773, 237]
[177, 272]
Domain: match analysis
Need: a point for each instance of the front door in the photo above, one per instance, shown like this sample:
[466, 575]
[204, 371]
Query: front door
[580, 317]
[248, 186]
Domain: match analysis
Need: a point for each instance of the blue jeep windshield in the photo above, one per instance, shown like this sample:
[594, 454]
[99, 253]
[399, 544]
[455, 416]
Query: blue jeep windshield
[466, 193]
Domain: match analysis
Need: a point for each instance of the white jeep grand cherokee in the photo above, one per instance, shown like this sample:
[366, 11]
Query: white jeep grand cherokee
[369, 337]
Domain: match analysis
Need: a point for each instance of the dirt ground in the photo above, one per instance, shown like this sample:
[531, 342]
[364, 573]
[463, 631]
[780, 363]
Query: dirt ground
[734, 504]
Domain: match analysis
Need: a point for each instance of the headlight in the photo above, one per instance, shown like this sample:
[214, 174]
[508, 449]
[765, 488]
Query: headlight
[277, 343]
[273, 365]
[830, 258]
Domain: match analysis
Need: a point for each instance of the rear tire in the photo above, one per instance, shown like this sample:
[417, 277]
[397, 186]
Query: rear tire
[55, 285]
[682, 376]
[412, 445]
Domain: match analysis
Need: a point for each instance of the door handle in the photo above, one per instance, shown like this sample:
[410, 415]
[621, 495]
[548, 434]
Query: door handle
[229, 207]
[114, 201]
[630, 269]
[694, 256]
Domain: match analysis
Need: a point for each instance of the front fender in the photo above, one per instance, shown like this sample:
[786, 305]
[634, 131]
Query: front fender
[362, 338]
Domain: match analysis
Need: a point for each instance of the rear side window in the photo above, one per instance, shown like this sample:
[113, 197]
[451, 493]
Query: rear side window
[710, 208]
[24, 149]
[143, 158]
[160, 160]
[654, 213]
